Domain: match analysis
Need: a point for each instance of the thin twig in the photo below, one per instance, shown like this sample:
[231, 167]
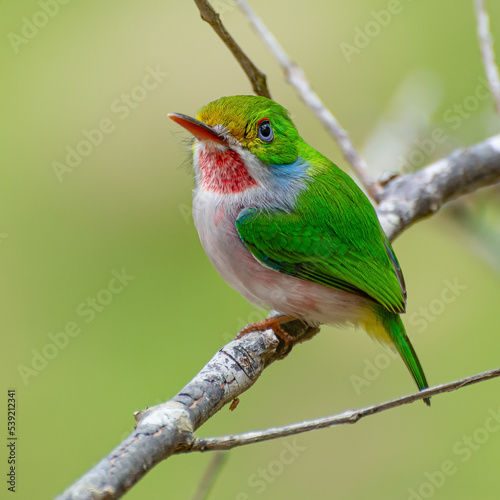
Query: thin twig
[296, 77]
[208, 479]
[256, 77]
[487, 52]
[348, 417]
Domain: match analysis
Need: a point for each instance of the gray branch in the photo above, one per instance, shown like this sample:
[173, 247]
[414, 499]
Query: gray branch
[169, 428]
[412, 197]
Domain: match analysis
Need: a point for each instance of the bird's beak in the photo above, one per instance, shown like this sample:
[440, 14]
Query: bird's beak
[200, 130]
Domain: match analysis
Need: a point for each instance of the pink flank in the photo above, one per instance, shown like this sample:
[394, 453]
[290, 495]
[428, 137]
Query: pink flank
[223, 172]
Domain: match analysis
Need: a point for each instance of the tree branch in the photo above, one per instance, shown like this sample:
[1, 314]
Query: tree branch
[256, 77]
[410, 198]
[348, 417]
[169, 428]
[297, 79]
[487, 52]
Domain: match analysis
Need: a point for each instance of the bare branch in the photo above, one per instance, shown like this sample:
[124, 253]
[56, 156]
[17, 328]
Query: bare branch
[166, 429]
[256, 77]
[487, 52]
[348, 417]
[296, 77]
[412, 197]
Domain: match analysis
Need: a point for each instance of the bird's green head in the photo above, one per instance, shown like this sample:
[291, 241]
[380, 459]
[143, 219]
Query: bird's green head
[241, 141]
[259, 124]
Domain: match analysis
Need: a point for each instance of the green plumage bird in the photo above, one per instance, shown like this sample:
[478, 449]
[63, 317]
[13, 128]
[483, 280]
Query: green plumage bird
[288, 229]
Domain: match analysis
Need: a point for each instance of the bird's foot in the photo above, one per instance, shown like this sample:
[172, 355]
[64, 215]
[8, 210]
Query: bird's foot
[273, 324]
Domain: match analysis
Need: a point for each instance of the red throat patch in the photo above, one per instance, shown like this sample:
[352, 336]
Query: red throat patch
[224, 172]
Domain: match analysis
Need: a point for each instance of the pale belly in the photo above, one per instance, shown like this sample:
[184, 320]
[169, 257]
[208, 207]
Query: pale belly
[311, 302]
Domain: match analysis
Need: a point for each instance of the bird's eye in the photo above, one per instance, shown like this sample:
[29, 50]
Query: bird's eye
[265, 131]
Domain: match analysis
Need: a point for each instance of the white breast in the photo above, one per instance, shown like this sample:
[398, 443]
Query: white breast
[214, 217]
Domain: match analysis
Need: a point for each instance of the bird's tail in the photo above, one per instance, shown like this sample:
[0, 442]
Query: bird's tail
[388, 327]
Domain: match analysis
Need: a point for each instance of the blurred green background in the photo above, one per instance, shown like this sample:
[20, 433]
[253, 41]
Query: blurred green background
[126, 205]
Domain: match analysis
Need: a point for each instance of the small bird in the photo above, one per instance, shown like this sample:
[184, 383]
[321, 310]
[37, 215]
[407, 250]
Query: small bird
[288, 229]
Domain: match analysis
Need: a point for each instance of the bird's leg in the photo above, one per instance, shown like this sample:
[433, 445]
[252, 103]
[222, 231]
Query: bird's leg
[273, 324]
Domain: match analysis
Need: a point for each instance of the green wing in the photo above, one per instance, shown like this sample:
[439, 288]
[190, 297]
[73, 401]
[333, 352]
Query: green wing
[332, 237]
